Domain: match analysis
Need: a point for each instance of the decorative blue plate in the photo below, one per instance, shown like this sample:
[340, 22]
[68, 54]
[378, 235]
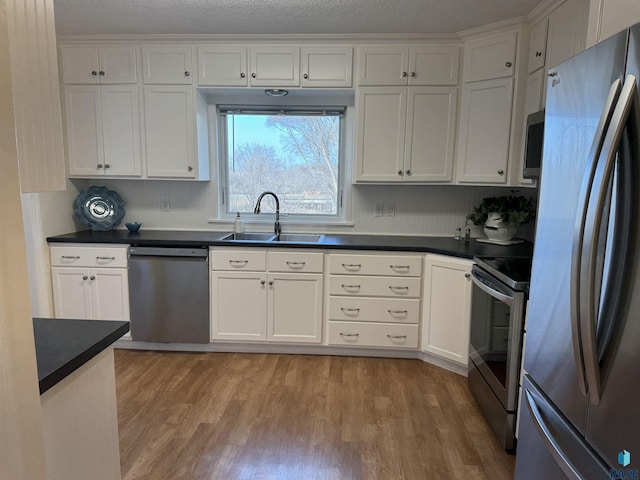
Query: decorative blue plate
[99, 208]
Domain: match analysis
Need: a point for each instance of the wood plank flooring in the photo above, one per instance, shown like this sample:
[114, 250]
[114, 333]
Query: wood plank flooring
[233, 416]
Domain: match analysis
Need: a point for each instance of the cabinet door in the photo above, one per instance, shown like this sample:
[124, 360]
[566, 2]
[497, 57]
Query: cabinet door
[565, 32]
[238, 306]
[327, 66]
[166, 65]
[295, 308]
[169, 131]
[434, 65]
[447, 307]
[492, 57]
[117, 65]
[383, 65]
[109, 293]
[485, 129]
[83, 115]
[381, 119]
[275, 66]
[222, 66]
[616, 15]
[121, 130]
[431, 127]
[71, 293]
[79, 65]
[538, 45]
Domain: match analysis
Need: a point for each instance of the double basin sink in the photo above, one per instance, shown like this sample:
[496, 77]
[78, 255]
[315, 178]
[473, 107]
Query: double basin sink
[270, 237]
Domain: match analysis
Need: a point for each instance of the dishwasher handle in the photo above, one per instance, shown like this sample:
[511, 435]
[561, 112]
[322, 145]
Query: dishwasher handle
[201, 252]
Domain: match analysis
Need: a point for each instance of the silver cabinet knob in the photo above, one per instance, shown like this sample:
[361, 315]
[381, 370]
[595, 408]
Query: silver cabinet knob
[92, 277]
[508, 64]
[413, 74]
[102, 73]
[99, 165]
[404, 74]
[190, 168]
[262, 282]
[186, 74]
[253, 75]
[270, 282]
[399, 172]
[538, 54]
[106, 165]
[305, 76]
[242, 75]
[467, 275]
[84, 277]
[408, 172]
[500, 172]
[94, 73]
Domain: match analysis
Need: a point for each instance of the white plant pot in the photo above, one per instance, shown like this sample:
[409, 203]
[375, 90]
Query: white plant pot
[497, 229]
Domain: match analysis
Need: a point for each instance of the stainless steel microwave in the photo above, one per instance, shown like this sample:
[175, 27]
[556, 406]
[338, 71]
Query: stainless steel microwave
[533, 145]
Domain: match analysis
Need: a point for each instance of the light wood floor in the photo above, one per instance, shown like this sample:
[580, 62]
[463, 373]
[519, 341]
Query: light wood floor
[293, 417]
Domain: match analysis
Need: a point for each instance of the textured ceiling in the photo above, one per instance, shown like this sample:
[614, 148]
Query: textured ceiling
[75, 17]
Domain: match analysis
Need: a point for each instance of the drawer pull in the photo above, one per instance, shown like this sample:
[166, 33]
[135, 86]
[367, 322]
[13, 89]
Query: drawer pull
[394, 288]
[400, 267]
[350, 287]
[296, 264]
[352, 266]
[350, 310]
[71, 257]
[397, 337]
[398, 312]
[105, 258]
[349, 334]
[238, 262]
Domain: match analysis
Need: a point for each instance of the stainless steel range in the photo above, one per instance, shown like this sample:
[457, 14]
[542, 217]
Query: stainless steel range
[500, 290]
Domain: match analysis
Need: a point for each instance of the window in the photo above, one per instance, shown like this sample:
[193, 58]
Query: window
[295, 152]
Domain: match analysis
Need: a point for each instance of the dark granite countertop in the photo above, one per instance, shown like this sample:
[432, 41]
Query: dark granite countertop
[404, 243]
[63, 346]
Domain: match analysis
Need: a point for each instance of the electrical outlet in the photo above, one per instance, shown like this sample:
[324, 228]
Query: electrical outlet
[378, 209]
[165, 205]
[391, 209]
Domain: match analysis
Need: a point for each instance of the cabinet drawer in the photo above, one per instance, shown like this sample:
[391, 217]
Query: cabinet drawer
[255, 260]
[362, 286]
[88, 256]
[390, 310]
[389, 265]
[295, 262]
[373, 334]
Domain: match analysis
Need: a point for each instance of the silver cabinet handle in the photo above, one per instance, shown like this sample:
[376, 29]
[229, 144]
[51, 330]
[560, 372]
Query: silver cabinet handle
[413, 74]
[408, 172]
[350, 310]
[404, 74]
[538, 54]
[253, 75]
[243, 75]
[398, 312]
[94, 73]
[270, 282]
[397, 337]
[84, 277]
[349, 334]
[394, 288]
[400, 267]
[508, 64]
[99, 165]
[350, 287]
[92, 277]
[262, 282]
[467, 275]
[106, 165]
[186, 74]
[296, 264]
[71, 257]
[105, 258]
[238, 262]
[500, 172]
[352, 266]
[399, 172]
[102, 73]
[305, 76]
[190, 168]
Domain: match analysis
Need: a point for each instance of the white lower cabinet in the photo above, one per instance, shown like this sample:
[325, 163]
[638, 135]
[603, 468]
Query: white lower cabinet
[252, 303]
[90, 283]
[374, 300]
[447, 307]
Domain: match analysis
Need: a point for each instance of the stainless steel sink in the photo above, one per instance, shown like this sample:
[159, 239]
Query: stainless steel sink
[249, 237]
[298, 238]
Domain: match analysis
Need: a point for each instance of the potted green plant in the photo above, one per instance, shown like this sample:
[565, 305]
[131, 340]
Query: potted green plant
[501, 216]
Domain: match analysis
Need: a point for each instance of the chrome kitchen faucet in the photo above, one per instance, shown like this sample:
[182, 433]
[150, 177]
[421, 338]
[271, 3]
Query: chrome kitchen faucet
[276, 227]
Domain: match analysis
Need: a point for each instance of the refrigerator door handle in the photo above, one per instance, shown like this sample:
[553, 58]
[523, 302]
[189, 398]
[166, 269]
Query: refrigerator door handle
[593, 222]
[578, 235]
[555, 450]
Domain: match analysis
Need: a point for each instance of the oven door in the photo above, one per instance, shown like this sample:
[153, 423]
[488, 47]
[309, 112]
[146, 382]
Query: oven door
[497, 316]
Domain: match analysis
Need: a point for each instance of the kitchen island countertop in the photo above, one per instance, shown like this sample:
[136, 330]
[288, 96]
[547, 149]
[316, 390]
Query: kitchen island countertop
[404, 243]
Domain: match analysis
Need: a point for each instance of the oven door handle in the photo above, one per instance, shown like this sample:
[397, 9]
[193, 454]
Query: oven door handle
[477, 280]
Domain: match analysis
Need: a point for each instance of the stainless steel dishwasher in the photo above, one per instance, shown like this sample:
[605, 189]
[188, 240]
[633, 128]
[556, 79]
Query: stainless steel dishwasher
[169, 294]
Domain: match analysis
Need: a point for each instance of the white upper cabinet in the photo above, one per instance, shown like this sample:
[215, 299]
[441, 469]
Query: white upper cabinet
[566, 32]
[98, 65]
[167, 64]
[485, 129]
[490, 57]
[274, 66]
[327, 66]
[404, 65]
[538, 45]
[222, 65]
[612, 16]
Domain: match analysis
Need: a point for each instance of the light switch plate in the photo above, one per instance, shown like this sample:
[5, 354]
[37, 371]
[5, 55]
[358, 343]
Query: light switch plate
[378, 209]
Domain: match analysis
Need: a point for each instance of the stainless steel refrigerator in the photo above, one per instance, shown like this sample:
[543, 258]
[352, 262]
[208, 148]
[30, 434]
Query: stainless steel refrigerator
[580, 404]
